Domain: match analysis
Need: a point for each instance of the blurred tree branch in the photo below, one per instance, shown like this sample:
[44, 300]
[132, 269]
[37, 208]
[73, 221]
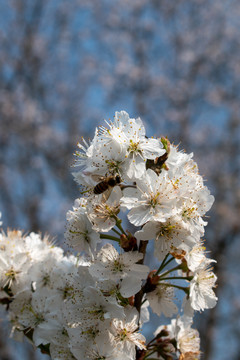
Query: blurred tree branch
[176, 64]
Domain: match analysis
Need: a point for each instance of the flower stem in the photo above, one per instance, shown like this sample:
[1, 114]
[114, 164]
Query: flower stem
[189, 278]
[118, 224]
[173, 269]
[138, 297]
[164, 263]
[172, 258]
[109, 237]
[118, 233]
[185, 289]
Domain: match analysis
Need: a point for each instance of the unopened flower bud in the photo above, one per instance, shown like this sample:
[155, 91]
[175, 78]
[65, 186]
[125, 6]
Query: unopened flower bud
[131, 300]
[128, 242]
[184, 266]
[152, 282]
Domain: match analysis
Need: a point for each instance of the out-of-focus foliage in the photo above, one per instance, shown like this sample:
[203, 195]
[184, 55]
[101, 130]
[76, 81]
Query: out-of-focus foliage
[65, 65]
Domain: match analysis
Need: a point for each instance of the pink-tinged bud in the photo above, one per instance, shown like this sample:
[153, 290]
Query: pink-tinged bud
[152, 282]
[184, 266]
[128, 242]
[131, 300]
[153, 277]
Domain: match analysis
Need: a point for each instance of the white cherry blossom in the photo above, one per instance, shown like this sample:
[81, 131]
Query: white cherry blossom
[128, 137]
[193, 207]
[153, 200]
[92, 306]
[14, 270]
[80, 234]
[168, 235]
[188, 340]
[177, 159]
[102, 214]
[126, 336]
[103, 347]
[196, 257]
[61, 352]
[120, 267]
[201, 293]
[160, 300]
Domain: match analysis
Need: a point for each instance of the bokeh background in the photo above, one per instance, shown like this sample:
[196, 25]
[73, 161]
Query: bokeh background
[65, 66]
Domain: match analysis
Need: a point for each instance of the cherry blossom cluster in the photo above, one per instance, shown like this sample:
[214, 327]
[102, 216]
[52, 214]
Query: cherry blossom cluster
[135, 190]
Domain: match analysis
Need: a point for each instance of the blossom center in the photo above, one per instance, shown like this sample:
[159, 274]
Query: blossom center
[188, 213]
[165, 230]
[46, 280]
[104, 210]
[205, 275]
[11, 275]
[83, 233]
[113, 166]
[39, 318]
[98, 313]
[154, 200]
[92, 332]
[117, 266]
[68, 291]
[134, 147]
[123, 334]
